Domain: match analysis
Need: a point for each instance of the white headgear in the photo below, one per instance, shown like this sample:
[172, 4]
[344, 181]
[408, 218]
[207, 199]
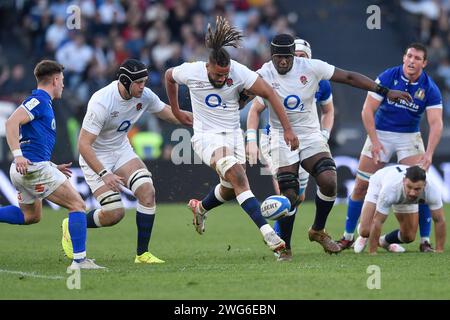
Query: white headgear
[303, 45]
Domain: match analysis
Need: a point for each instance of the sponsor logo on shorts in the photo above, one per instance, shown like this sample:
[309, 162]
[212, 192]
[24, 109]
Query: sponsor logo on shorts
[39, 188]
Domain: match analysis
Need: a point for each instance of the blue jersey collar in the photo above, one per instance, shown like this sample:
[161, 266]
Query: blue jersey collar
[42, 93]
[404, 78]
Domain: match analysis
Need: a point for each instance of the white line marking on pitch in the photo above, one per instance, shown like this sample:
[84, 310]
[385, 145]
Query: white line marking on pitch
[31, 274]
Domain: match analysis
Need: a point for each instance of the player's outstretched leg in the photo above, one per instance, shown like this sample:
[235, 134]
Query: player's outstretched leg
[425, 228]
[391, 241]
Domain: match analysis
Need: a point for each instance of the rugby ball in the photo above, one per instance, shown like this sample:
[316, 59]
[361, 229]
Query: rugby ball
[275, 207]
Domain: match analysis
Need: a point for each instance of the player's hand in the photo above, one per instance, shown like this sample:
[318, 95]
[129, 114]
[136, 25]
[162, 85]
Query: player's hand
[397, 95]
[184, 117]
[376, 150]
[252, 152]
[22, 164]
[291, 139]
[425, 161]
[65, 168]
[113, 181]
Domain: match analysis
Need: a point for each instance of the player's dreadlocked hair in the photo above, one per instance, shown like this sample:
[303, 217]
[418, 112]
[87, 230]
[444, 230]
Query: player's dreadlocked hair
[224, 35]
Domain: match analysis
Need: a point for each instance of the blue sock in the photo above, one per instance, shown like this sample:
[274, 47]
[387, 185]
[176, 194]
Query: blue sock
[90, 219]
[424, 220]
[392, 237]
[250, 204]
[211, 201]
[284, 227]
[144, 224]
[77, 230]
[353, 213]
[11, 215]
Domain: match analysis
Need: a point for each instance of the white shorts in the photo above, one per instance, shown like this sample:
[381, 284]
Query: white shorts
[375, 184]
[264, 147]
[205, 143]
[282, 155]
[41, 181]
[111, 161]
[402, 144]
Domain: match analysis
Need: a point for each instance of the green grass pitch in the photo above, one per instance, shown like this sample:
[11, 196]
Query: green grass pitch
[229, 261]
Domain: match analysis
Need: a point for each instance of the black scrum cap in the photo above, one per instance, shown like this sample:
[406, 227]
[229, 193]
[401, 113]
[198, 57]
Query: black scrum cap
[131, 70]
[282, 44]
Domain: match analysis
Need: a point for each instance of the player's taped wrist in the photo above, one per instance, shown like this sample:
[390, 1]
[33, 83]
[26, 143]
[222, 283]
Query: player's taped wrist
[326, 134]
[103, 173]
[381, 90]
[17, 153]
[251, 135]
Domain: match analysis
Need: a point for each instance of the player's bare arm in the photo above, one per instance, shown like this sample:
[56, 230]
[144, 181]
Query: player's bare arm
[172, 94]
[368, 117]
[358, 80]
[166, 114]
[375, 231]
[252, 131]
[327, 118]
[434, 117]
[85, 141]
[439, 228]
[18, 118]
[262, 89]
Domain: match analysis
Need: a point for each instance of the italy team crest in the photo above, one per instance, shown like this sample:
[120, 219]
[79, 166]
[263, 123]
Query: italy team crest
[420, 94]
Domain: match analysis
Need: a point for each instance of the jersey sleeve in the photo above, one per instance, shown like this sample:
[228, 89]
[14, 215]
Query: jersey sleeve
[434, 98]
[95, 117]
[181, 73]
[324, 95]
[33, 107]
[386, 199]
[322, 69]
[154, 103]
[248, 76]
[433, 196]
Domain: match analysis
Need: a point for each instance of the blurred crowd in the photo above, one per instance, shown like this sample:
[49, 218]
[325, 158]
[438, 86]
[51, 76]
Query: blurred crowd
[432, 22]
[162, 34]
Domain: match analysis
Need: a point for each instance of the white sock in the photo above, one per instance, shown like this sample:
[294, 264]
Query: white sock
[424, 239]
[265, 229]
[382, 241]
[348, 236]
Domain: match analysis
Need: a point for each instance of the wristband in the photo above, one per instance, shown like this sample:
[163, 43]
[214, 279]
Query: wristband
[103, 172]
[17, 153]
[325, 133]
[251, 135]
[381, 90]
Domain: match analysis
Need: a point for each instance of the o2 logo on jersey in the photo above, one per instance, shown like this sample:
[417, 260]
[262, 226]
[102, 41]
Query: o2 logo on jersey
[53, 124]
[214, 100]
[124, 126]
[292, 102]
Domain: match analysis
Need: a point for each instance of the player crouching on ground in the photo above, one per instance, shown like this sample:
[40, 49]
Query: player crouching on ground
[403, 188]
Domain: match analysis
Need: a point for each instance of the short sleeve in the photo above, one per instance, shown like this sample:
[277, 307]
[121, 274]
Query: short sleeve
[181, 73]
[322, 69]
[248, 76]
[385, 200]
[434, 98]
[154, 103]
[324, 95]
[95, 117]
[33, 107]
[433, 196]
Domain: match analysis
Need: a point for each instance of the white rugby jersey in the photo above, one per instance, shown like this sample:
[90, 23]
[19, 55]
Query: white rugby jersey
[110, 117]
[297, 90]
[392, 190]
[214, 109]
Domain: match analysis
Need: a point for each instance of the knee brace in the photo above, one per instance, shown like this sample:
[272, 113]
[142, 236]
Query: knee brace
[289, 181]
[110, 201]
[138, 178]
[324, 164]
[224, 164]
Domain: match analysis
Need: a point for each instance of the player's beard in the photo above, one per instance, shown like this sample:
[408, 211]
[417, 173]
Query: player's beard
[215, 84]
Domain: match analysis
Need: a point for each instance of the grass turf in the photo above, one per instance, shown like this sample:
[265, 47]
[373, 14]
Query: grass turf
[229, 261]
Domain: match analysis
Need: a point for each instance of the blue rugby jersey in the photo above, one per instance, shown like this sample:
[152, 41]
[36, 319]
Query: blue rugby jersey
[403, 116]
[37, 137]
